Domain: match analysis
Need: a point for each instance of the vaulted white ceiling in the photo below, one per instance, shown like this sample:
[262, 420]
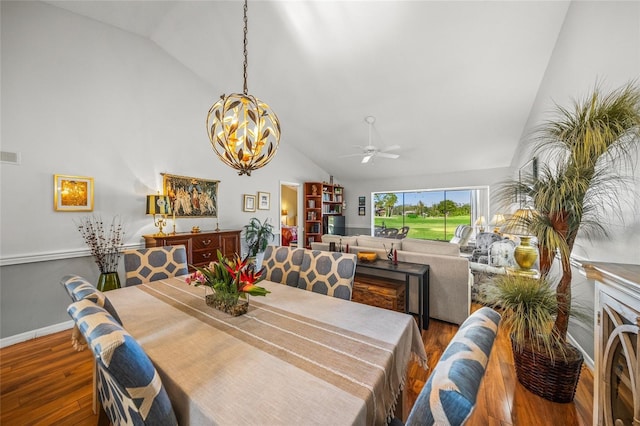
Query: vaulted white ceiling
[451, 82]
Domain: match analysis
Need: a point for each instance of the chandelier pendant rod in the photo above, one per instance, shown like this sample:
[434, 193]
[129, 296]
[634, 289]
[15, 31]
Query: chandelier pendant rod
[246, 31]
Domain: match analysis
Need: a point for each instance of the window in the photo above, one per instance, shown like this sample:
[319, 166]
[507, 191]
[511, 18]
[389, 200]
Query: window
[429, 214]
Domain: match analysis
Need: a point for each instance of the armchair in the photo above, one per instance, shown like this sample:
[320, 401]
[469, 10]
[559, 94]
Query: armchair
[461, 235]
[483, 242]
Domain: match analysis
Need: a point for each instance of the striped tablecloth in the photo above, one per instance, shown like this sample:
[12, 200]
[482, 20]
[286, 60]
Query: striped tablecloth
[296, 357]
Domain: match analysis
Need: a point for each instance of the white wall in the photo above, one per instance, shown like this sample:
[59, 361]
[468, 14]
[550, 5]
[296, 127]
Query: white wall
[83, 98]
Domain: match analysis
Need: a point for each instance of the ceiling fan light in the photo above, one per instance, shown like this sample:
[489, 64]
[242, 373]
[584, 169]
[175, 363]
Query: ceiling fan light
[366, 158]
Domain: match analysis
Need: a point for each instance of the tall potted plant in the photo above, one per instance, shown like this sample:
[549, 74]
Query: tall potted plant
[257, 236]
[584, 150]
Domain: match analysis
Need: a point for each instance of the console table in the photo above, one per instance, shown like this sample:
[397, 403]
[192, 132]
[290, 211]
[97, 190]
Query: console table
[202, 246]
[418, 270]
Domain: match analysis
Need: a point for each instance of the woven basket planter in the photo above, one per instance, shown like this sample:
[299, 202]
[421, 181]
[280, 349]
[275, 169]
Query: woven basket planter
[556, 382]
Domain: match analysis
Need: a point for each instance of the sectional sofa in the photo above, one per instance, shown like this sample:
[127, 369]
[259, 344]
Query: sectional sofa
[450, 278]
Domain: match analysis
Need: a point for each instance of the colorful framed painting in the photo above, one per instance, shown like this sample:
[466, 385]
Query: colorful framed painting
[72, 193]
[264, 201]
[249, 203]
[190, 196]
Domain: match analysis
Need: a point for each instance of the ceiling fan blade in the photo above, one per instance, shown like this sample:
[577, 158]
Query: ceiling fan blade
[385, 155]
[390, 148]
[366, 158]
[350, 155]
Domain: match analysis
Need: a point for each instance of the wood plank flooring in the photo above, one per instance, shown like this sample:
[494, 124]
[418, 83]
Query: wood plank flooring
[45, 381]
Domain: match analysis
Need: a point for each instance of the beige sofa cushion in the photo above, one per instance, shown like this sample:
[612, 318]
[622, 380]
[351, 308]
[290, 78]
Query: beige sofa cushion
[431, 247]
[379, 243]
[326, 238]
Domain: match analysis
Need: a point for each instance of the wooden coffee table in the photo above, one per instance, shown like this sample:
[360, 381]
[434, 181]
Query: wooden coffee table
[419, 270]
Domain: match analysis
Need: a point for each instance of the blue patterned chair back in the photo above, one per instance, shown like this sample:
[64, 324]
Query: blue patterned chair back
[282, 264]
[327, 272]
[79, 288]
[156, 263]
[129, 387]
[450, 394]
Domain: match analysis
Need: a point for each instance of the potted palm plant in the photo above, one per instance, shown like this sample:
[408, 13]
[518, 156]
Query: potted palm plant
[584, 151]
[257, 236]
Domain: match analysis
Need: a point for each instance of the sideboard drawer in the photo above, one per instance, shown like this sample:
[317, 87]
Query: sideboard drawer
[207, 241]
[203, 257]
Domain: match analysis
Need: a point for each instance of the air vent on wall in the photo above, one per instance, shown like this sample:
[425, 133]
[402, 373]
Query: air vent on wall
[10, 157]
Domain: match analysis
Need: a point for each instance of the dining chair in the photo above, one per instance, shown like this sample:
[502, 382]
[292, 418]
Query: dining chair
[282, 264]
[129, 387]
[327, 272]
[78, 289]
[155, 263]
[403, 232]
[449, 396]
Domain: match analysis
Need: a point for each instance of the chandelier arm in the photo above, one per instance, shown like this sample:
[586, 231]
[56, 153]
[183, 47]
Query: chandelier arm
[246, 31]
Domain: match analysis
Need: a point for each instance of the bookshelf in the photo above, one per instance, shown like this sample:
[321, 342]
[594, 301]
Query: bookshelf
[320, 199]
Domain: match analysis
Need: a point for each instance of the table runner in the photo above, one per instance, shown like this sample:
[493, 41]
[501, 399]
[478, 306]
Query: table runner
[294, 355]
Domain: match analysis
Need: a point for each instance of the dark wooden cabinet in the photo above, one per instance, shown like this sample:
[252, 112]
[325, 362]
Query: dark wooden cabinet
[201, 247]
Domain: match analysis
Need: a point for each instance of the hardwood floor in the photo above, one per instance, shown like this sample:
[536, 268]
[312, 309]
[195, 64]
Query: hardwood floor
[45, 381]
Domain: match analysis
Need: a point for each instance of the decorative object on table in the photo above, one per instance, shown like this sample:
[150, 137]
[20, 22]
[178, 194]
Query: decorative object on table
[582, 185]
[230, 281]
[244, 132]
[191, 197]
[248, 203]
[264, 201]
[367, 256]
[195, 230]
[525, 254]
[257, 236]
[544, 365]
[72, 193]
[390, 252]
[159, 204]
[105, 244]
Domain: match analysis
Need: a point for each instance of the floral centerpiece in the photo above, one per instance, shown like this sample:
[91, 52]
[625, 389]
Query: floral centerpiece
[230, 280]
[105, 243]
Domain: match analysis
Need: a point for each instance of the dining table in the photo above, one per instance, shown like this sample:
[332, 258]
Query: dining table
[296, 357]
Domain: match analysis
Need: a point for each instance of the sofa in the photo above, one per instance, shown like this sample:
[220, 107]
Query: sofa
[450, 279]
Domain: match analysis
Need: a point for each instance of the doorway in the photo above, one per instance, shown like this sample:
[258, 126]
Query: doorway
[289, 208]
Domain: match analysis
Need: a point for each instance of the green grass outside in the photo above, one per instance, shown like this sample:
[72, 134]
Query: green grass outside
[428, 228]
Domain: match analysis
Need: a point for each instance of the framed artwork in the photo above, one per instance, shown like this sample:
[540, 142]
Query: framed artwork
[264, 201]
[361, 200]
[191, 197]
[361, 211]
[249, 203]
[72, 193]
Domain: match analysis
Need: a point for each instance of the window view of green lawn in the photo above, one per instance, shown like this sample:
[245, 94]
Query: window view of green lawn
[430, 215]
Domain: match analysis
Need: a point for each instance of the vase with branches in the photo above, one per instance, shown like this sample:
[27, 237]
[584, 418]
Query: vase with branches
[585, 151]
[105, 241]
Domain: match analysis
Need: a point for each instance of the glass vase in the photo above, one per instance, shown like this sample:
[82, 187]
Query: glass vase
[108, 281]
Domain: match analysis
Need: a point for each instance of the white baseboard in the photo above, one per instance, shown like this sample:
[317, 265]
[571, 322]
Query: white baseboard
[28, 335]
[588, 361]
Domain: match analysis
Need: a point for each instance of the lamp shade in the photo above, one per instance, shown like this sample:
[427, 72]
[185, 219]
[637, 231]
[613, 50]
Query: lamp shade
[480, 221]
[519, 223]
[498, 220]
[158, 204]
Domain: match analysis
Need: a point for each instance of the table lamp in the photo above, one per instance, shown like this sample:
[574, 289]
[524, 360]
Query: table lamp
[159, 204]
[525, 254]
[480, 222]
[497, 221]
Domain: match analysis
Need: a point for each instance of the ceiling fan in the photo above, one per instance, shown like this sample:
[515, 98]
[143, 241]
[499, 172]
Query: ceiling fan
[370, 151]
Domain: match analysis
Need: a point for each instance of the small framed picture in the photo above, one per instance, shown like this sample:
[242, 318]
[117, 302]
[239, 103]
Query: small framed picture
[361, 200]
[72, 193]
[264, 201]
[249, 203]
[361, 211]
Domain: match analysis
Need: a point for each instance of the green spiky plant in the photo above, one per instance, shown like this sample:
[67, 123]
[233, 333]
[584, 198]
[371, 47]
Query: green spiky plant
[257, 235]
[587, 147]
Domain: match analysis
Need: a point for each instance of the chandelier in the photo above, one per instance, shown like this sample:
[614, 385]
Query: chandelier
[244, 132]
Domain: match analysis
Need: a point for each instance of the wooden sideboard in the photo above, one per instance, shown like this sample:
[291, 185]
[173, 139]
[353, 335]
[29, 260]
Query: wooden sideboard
[202, 246]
